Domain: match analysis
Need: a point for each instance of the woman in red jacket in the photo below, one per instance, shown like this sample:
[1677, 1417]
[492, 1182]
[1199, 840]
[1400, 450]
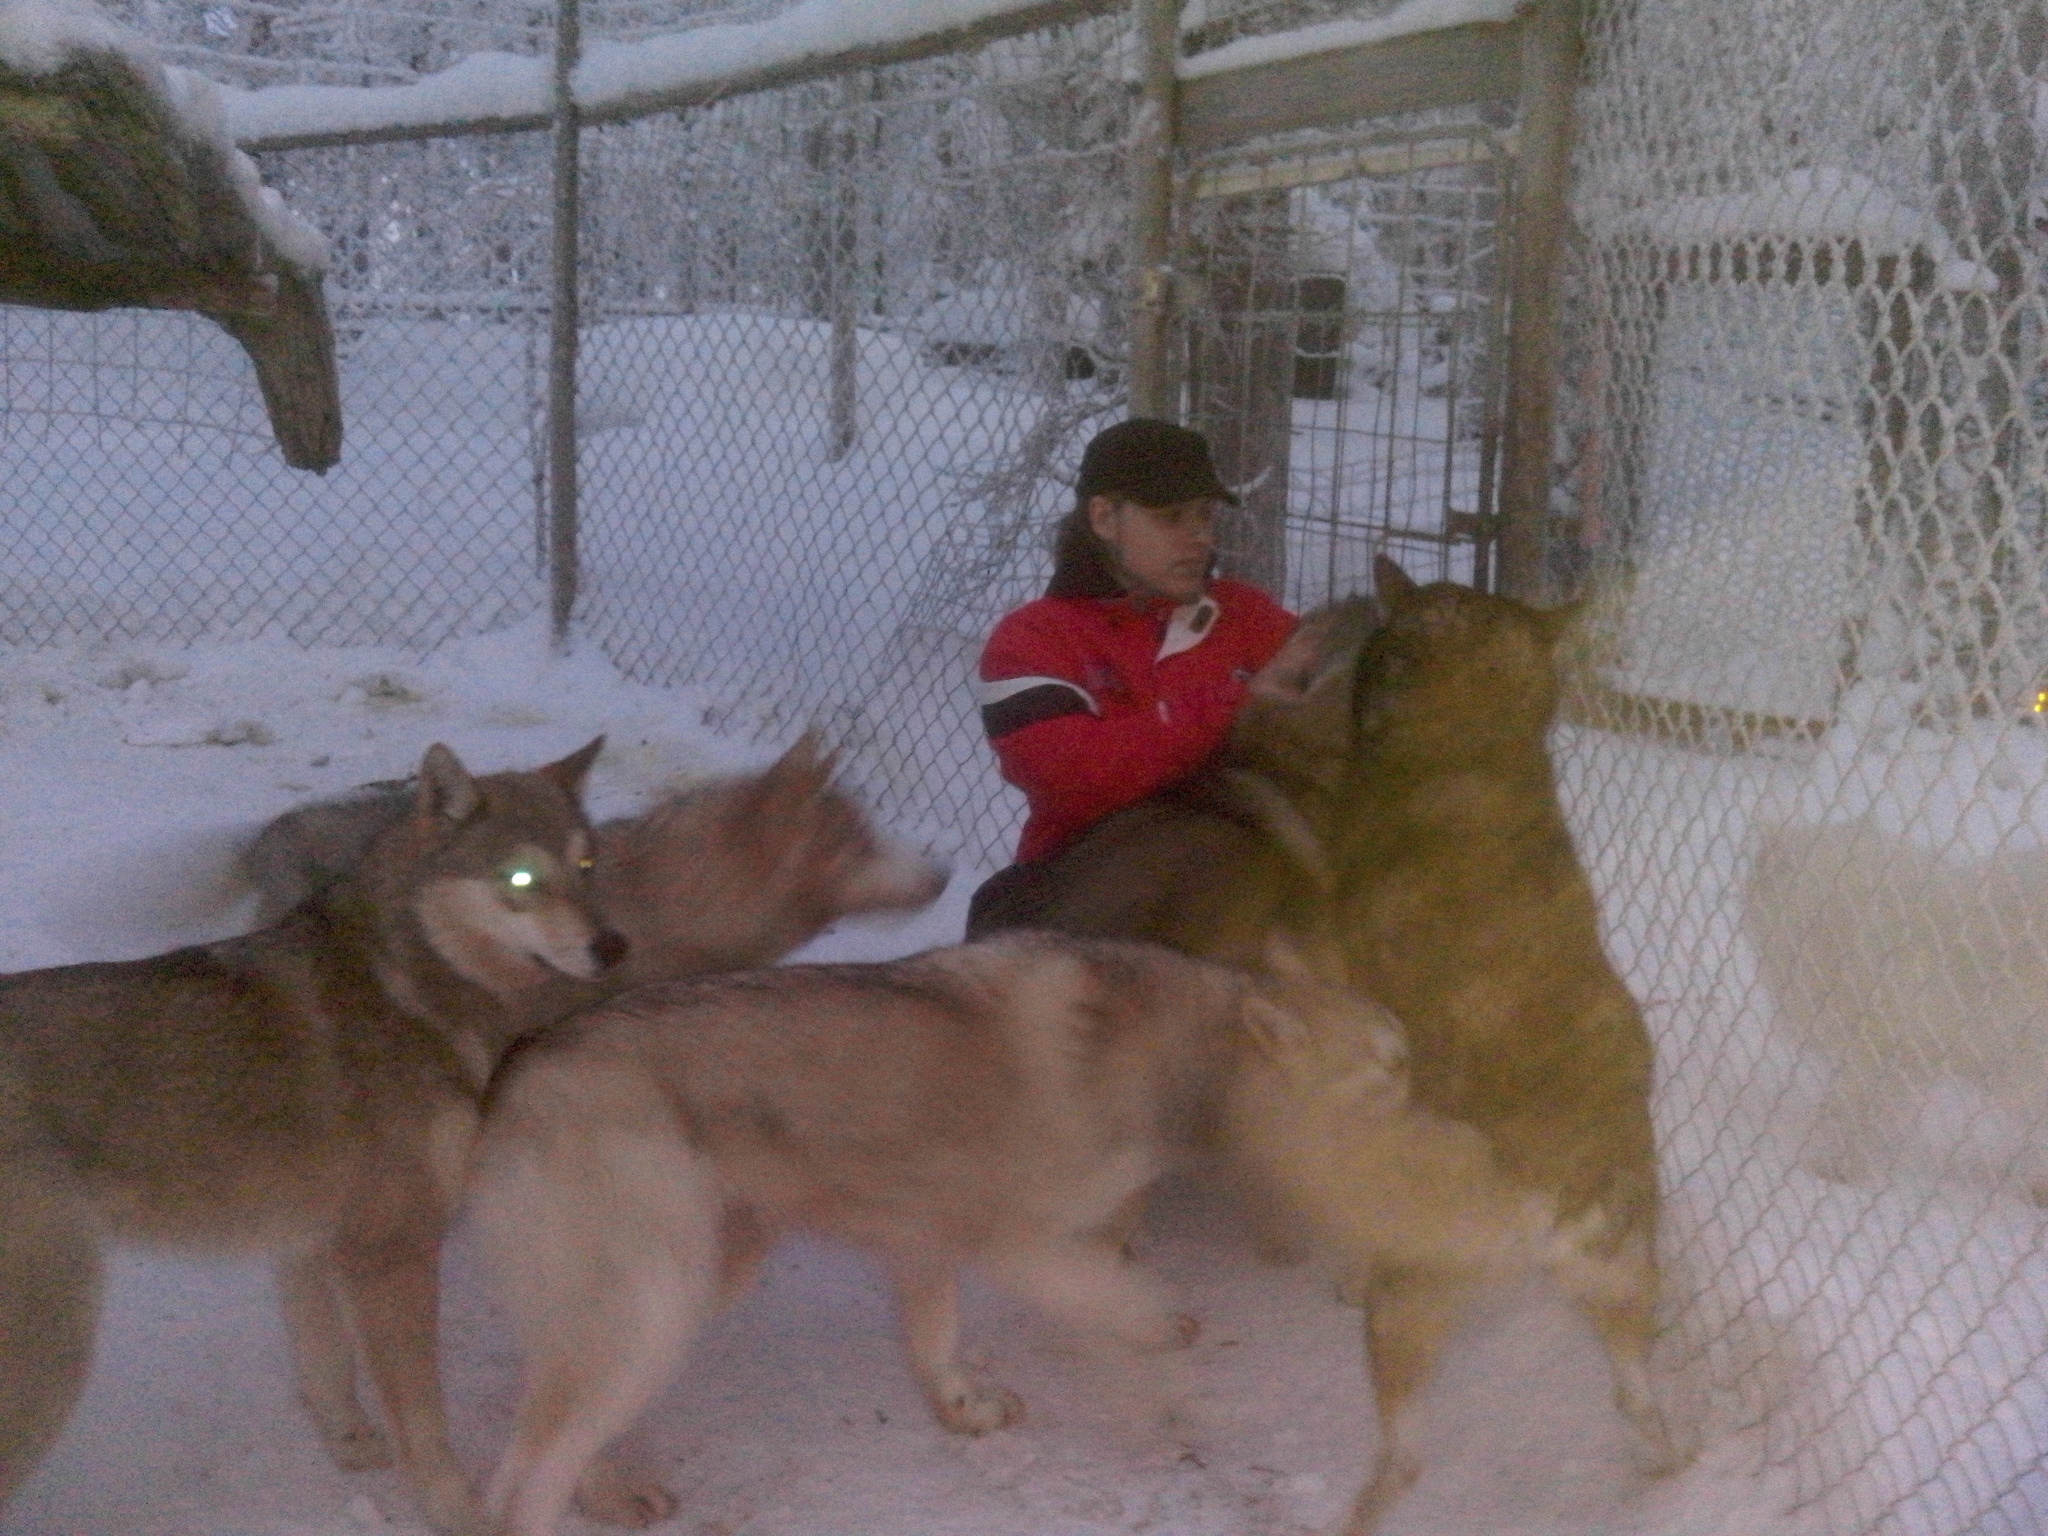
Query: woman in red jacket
[1126, 674]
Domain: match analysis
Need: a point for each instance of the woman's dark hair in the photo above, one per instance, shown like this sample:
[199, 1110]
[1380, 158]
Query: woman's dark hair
[1082, 565]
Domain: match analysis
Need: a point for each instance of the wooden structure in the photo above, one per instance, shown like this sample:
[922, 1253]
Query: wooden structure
[108, 200]
[1531, 61]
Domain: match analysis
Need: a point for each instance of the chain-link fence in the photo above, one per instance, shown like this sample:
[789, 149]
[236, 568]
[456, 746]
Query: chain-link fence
[828, 409]
[1803, 466]
[843, 342]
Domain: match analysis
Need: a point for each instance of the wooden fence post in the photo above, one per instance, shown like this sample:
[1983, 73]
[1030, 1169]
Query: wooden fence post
[1551, 55]
[1152, 388]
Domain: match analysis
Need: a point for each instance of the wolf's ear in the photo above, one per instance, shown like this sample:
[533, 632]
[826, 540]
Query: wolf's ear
[1274, 1031]
[804, 770]
[1389, 581]
[570, 772]
[447, 792]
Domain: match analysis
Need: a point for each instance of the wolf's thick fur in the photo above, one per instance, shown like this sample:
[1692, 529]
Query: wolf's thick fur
[1462, 907]
[1322, 1107]
[309, 1091]
[1906, 974]
[995, 1103]
[730, 874]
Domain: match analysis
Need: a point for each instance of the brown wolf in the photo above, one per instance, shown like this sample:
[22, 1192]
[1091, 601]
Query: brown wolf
[997, 1103]
[325, 1113]
[1461, 906]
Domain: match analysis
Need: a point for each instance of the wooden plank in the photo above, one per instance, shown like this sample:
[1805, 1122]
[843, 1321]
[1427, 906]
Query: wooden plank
[1153, 391]
[1325, 166]
[1480, 61]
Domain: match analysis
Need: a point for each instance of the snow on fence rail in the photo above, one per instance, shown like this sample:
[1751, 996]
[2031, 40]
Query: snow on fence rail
[844, 334]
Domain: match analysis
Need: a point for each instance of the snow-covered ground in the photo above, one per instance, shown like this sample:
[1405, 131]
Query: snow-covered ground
[1884, 1337]
[134, 770]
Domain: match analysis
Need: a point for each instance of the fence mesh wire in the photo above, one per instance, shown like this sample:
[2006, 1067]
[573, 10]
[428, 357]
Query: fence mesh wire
[1803, 473]
[827, 412]
[844, 342]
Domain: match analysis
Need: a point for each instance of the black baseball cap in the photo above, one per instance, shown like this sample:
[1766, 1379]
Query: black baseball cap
[1151, 462]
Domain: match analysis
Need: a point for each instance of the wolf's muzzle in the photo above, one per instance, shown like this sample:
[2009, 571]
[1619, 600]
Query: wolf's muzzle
[608, 948]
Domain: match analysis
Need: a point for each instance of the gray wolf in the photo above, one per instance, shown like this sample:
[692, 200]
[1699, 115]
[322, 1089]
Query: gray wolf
[1913, 978]
[998, 1104]
[730, 874]
[325, 1116]
[1461, 906]
[309, 1091]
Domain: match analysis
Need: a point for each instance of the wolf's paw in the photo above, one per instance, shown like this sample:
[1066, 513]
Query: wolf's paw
[975, 1410]
[614, 1495]
[1656, 1455]
[354, 1444]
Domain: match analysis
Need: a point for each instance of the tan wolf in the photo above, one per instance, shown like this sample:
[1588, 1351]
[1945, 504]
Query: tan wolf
[309, 1090]
[999, 1104]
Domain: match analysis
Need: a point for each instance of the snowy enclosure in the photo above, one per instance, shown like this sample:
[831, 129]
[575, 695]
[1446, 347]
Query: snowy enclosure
[843, 337]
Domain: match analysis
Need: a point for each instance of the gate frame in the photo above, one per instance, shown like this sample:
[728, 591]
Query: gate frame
[1534, 60]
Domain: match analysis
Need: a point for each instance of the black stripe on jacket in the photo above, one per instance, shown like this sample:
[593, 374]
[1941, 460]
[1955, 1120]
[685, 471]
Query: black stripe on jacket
[1048, 701]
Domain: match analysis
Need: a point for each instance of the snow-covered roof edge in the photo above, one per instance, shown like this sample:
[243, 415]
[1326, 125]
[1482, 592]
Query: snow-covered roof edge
[485, 92]
[38, 36]
[812, 39]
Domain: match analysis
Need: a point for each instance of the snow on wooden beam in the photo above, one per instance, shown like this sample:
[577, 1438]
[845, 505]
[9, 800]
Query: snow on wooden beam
[503, 93]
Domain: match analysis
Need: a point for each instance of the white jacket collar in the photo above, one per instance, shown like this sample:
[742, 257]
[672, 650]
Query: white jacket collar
[1189, 627]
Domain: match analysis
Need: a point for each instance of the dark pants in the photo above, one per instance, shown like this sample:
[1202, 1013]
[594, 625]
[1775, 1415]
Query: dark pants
[1009, 898]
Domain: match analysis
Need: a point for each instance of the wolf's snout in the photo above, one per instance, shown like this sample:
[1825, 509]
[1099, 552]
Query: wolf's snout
[608, 948]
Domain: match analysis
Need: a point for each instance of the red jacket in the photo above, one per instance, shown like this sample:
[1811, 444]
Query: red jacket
[1094, 702]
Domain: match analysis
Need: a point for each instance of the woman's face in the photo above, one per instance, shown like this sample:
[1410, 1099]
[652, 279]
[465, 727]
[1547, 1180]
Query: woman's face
[1160, 551]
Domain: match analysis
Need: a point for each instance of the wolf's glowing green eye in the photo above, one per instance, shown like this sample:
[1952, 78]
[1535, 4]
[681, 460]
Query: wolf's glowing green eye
[519, 879]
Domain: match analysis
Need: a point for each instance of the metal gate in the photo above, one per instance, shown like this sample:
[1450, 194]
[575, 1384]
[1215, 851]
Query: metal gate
[1342, 344]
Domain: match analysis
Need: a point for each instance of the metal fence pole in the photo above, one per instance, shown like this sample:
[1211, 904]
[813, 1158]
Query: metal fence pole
[562, 325]
[1152, 388]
